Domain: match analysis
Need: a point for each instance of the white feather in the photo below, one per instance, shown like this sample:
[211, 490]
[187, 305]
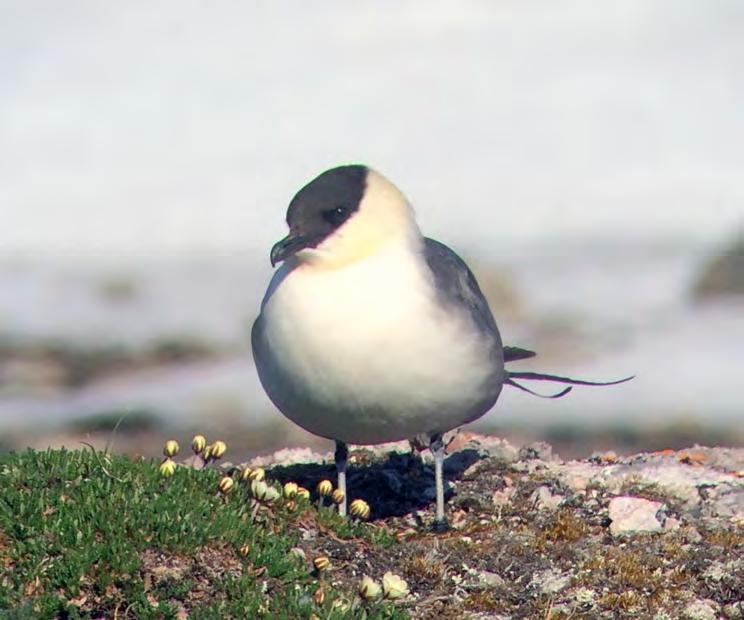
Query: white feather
[366, 353]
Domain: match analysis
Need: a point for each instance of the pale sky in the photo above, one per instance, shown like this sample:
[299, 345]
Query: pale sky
[179, 126]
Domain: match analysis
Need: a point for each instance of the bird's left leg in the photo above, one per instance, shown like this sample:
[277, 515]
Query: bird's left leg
[436, 445]
[342, 457]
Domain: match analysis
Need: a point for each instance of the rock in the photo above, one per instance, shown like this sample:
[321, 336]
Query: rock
[576, 483]
[550, 581]
[502, 497]
[631, 515]
[728, 502]
[671, 524]
[701, 609]
[288, 456]
[538, 450]
[492, 580]
[700, 478]
[499, 449]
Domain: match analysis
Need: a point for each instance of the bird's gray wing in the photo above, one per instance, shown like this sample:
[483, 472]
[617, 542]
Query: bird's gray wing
[457, 287]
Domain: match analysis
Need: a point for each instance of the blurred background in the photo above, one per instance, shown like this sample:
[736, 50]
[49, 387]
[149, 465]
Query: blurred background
[585, 157]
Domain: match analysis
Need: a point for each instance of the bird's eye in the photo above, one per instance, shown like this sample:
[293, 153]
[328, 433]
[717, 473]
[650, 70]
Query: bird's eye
[337, 215]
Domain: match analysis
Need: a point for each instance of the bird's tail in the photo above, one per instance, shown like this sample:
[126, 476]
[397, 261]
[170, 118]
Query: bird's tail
[512, 354]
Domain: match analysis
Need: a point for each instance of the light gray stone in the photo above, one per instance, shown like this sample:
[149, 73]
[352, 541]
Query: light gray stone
[631, 515]
[701, 609]
[490, 579]
[544, 499]
[550, 581]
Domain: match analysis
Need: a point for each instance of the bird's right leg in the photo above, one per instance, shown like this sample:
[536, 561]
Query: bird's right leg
[437, 449]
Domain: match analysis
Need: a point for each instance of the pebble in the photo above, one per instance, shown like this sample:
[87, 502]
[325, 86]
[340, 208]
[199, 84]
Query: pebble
[492, 580]
[631, 515]
[551, 581]
[502, 497]
[701, 609]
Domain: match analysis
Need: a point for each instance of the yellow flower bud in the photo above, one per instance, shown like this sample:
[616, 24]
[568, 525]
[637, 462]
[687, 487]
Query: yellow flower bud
[338, 496]
[198, 443]
[171, 448]
[244, 550]
[257, 474]
[226, 484]
[321, 563]
[167, 468]
[303, 493]
[290, 489]
[319, 596]
[369, 589]
[359, 509]
[218, 449]
[245, 473]
[291, 505]
[393, 586]
[324, 488]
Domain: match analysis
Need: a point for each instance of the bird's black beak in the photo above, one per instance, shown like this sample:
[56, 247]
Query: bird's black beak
[289, 246]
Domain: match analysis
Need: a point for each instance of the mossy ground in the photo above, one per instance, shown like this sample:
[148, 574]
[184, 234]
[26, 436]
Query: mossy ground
[83, 534]
[86, 535]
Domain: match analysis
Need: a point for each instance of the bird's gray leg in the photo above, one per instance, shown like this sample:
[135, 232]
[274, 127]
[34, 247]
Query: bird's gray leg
[342, 456]
[436, 446]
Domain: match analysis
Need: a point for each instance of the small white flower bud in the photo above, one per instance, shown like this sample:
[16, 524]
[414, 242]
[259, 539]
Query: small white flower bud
[393, 586]
[369, 589]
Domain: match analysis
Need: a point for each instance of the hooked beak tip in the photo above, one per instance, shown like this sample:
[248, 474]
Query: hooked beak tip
[287, 247]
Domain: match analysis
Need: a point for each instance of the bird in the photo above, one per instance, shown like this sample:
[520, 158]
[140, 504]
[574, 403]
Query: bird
[370, 332]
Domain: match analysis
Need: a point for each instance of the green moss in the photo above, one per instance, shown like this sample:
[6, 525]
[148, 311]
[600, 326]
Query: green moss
[87, 535]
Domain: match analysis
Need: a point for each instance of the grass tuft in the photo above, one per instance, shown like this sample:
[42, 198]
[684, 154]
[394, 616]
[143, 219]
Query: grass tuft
[87, 535]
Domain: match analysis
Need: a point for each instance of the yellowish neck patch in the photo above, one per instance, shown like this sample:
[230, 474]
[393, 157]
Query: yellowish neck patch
[384, 217]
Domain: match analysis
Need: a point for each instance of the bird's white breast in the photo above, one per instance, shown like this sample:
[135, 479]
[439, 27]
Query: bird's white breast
[366, 354]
